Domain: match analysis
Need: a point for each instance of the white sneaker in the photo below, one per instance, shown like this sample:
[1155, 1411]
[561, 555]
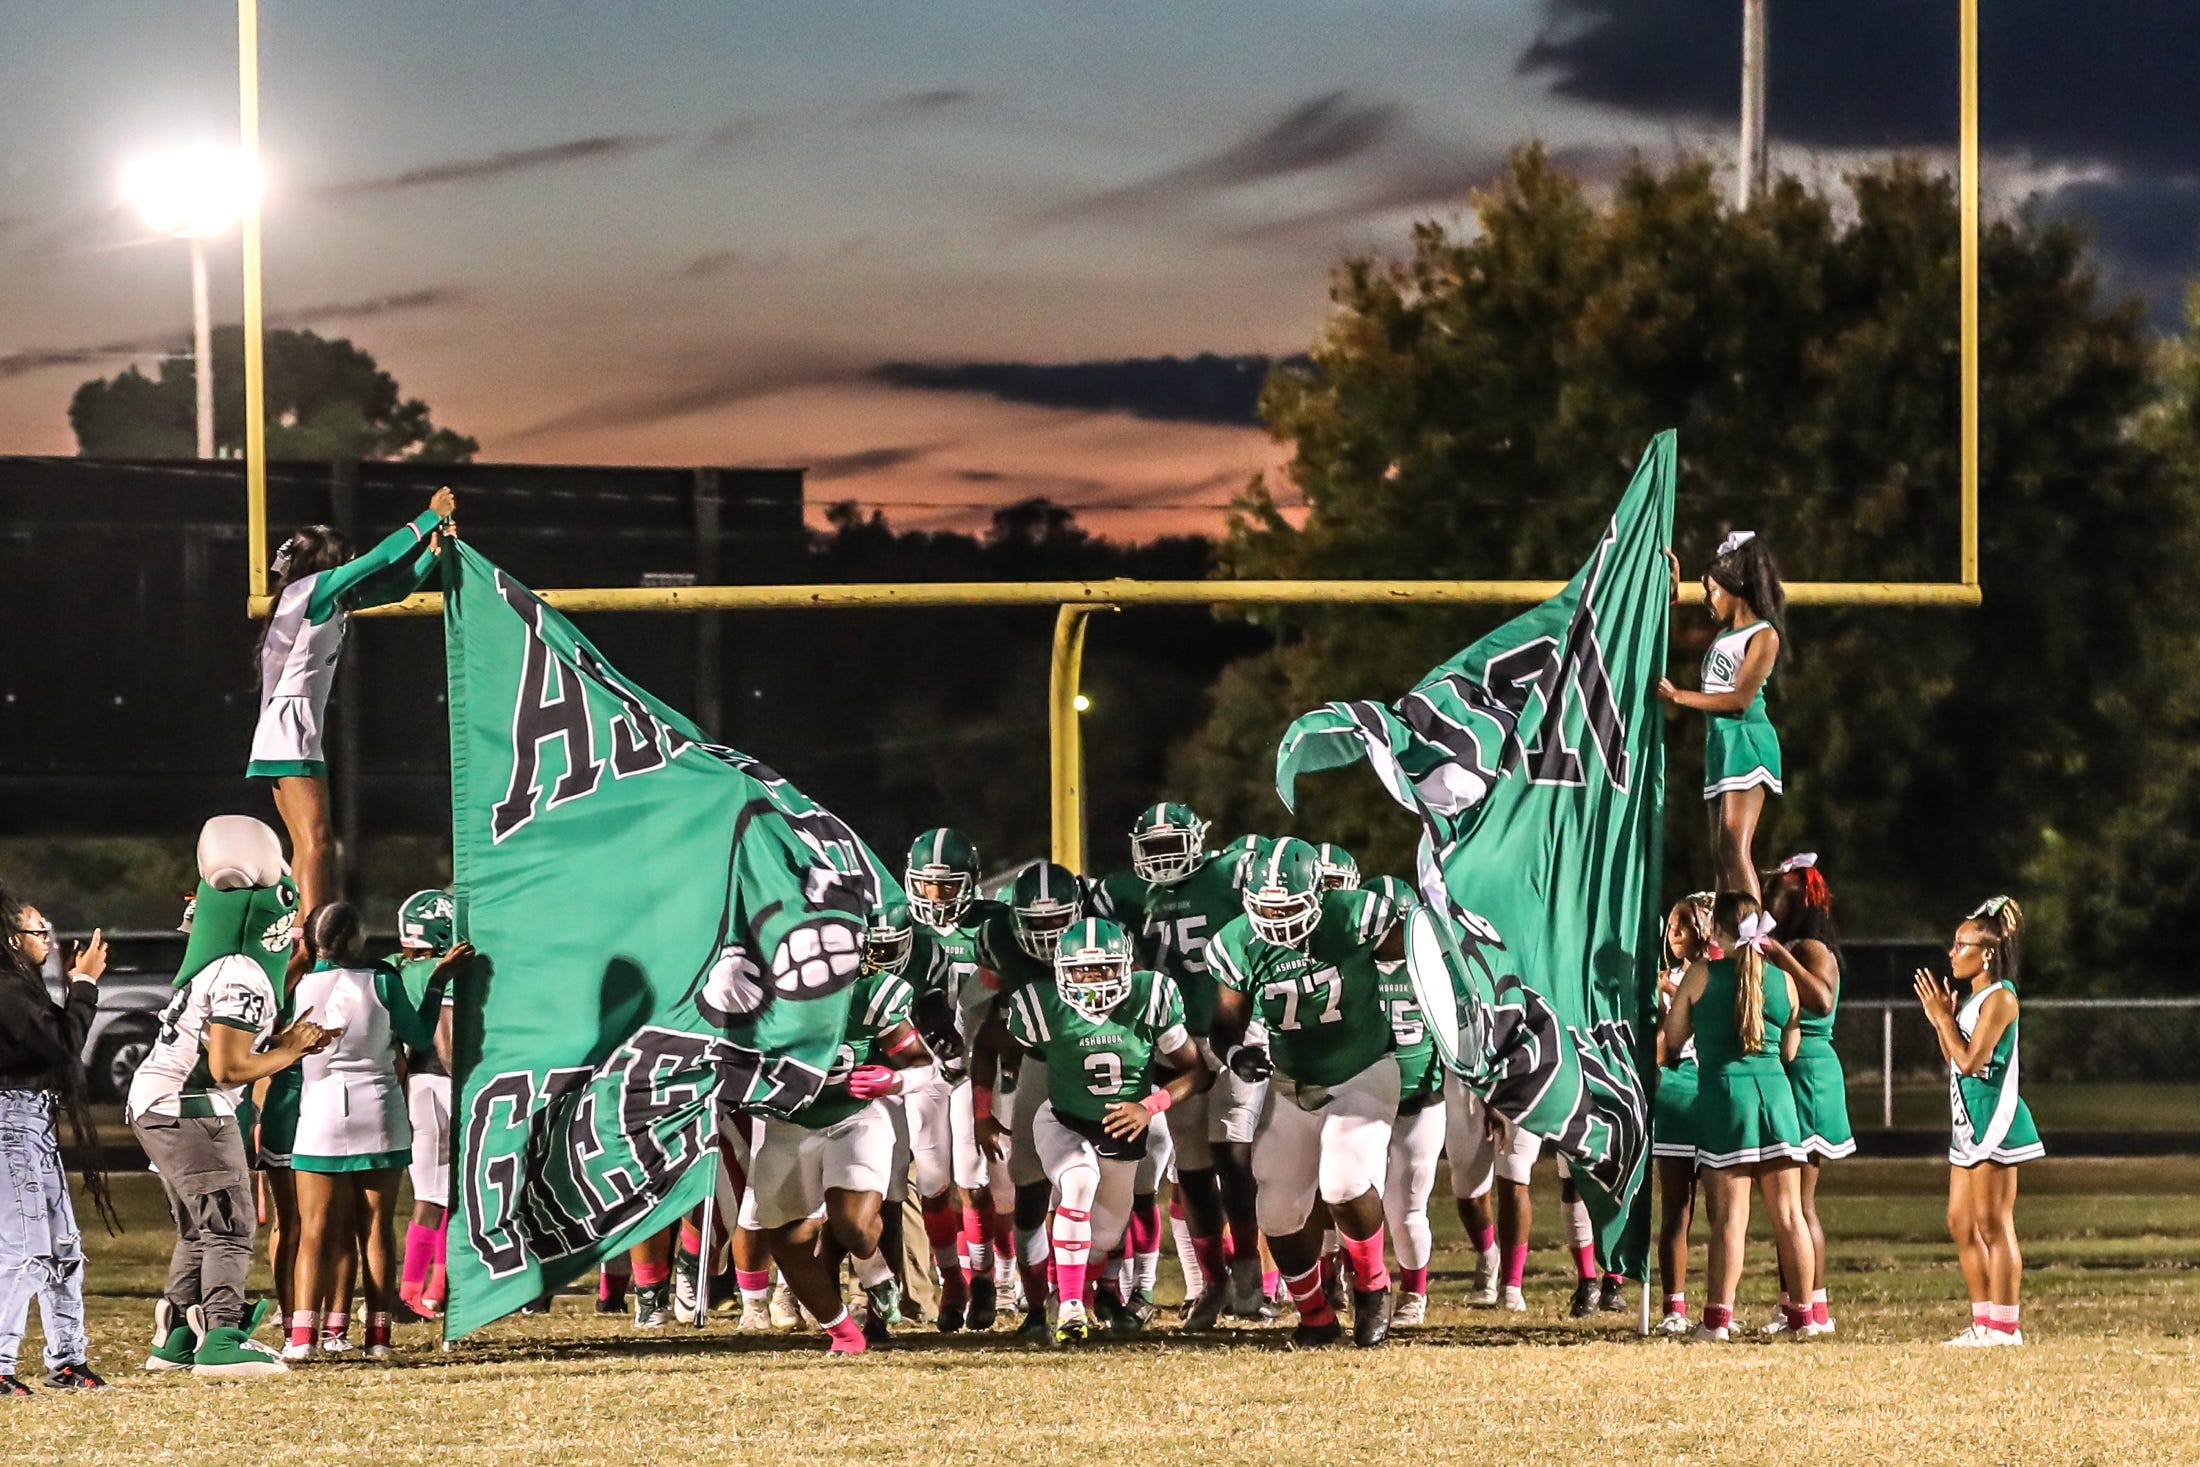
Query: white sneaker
[1704, 1334]
[1777, 1325]
[1974, 1336]
[379, 1352]
[1410, 1309]
[1996, 1338]
[784, 1313]
[756, 1317]
[1674, 1324]
[295, 1351]
[336, 1345]
[1514, 1301]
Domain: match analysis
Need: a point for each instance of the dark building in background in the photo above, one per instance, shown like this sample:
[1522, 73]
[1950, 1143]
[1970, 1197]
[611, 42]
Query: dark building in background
[127, 686]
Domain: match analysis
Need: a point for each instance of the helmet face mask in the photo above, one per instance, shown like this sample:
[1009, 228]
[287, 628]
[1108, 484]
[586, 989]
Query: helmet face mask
[1043, 903]
[1339, 871]
[1092, 967]
[941, 878]
[887, 939]
[1283, 893]
[1166, 844]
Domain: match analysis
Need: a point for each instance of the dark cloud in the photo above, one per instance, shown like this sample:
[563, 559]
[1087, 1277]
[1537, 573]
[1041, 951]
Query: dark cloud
[712, 263]
[2076, 83]
[712, 386]
[917, 104]
[497, 165]
[867, 461]
[2146, 231]
[1201, 389]
[1431, 179]
[1313, 134]
[737, 133]
[178, 341]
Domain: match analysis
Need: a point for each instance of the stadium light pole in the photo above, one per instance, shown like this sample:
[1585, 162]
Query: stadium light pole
[1753, 169]
[192, 195]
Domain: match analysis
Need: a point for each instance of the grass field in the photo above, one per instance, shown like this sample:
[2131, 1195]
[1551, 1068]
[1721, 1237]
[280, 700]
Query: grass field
[2112, 1374]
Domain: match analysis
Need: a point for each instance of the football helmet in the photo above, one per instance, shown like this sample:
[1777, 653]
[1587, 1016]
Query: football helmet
[1166, 843]
[941, 877]
[1339, 871]
[427, 920]
[887, 939]
[1092, 966]
[1283, 892]
[1043, 901]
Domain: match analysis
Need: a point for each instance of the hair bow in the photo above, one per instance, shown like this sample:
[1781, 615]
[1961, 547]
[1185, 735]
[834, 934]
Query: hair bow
[284, 556]
[1801, 861]
[1991, 907]
[1755, 930]
[1735, 541]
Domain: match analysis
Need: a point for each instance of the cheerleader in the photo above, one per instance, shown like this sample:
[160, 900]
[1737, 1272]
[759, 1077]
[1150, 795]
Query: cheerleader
[1741, 748]
[1744, 1116]
[1803, 907]
[1672, 1131]
[354, 1137]
[318, 584]
[1991, 1127]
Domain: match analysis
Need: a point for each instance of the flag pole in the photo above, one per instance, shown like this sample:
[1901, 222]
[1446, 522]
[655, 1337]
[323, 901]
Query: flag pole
[702, 1252]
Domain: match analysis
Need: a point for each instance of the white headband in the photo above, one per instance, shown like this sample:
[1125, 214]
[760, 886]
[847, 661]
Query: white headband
[1735, 541]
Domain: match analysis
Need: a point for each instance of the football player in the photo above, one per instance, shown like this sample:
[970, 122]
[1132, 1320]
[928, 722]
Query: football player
[1104, 1032]
[955, 994]
[426, 925]
[1017, 947]
[821, 1178]
[1417, 1138]
[1301, 959]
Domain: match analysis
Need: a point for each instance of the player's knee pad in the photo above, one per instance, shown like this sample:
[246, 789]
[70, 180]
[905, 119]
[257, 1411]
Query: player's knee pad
[1077, 1184]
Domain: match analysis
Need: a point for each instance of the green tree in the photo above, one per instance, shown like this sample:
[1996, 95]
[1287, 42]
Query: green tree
[1473, 409]
[325, 399]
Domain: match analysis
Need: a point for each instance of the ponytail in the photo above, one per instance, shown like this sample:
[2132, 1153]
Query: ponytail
[1744, 568]
[2006, 918]
[308, 552]
[1729, 909]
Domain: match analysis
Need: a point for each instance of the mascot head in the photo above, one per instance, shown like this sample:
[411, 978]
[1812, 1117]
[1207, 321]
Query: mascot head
[246, 902]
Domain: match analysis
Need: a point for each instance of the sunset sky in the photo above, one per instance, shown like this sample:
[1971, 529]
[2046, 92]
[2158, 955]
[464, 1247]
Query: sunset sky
[679, 231]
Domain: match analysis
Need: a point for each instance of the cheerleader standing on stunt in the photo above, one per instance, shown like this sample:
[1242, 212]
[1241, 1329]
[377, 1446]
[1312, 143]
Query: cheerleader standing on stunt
[1741, 761]
[1991, 1130]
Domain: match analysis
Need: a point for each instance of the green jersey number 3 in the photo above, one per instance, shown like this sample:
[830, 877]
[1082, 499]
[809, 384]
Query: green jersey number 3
[1330, 984]
[1103, 1073]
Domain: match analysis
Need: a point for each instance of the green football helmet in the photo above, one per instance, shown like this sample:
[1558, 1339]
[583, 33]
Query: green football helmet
[1166, 842]
[941, 876]
[1339, 871]
[1044, 900]
[427, 920]
[1283, 892]
[1092, 966]
[1398, 897]
[887, 938]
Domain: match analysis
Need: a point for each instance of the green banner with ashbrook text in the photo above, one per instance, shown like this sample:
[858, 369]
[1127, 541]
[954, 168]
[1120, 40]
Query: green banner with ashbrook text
[665, 926]
[1535, 761]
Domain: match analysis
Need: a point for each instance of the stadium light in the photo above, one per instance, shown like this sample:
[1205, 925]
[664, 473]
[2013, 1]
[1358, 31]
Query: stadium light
[190, 195]
[1081, 703]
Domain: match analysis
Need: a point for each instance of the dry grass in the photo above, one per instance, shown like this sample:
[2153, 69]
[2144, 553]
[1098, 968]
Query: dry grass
[2113, 1375]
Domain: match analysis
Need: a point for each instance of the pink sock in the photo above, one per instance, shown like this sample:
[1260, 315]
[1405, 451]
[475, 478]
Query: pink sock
[1070, 1252]
[611, 1283]
[378, 1329]
[1516, 1265]
[846, 1334]
[1369, 1272]
[336, 1325]
[1143, 1235]
[1677, 1304]
[691, 1237]
[1981, 1314]
[1798, 1315]
[649, 1275]
[1485, 1238]
[301, 1326]
[1213, 1271]
[1585, 1261]
[1312, 1302]
[1718, 1316]
[1818, 1314]
[1271, 1282]
[419, 1252]
[1415, 1280]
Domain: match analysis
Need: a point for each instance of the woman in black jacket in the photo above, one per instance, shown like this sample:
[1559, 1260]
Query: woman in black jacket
[41, 1252]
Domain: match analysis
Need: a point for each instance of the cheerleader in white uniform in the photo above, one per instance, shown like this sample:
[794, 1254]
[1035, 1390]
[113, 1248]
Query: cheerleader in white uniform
[354, 1136]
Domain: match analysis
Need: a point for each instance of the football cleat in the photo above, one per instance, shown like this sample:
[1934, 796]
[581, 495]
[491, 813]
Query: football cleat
[883, 1301]
[1485, 1281]
[1411, 1309]
[1612, 1296]
[1584, 1301]
[952, 1314]
[1370, 1317]
[1035, 1330]
[756, 1318]
[786, 1314]
[1073, 1328]
[985, 1309]
[1107, 1307]
[684, 1268]
[1513, 1301]
[1673, 1325]
[76, 1377]
[1245, 1301]
[652, 1303]
[1313, 1336]
[1207, 1309]
[1138, 1312]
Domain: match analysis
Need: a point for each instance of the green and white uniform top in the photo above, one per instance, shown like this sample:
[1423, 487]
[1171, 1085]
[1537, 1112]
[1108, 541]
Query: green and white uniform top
[1093, 1063]
[1119, 896]
[1322, 1004]
[951, 960]
[1989, 1120]
[878, 1005]
[1177, 923]
[1420, 1073]
[352, 1114]
[305, 641]
[1741, 750]
[233, 992]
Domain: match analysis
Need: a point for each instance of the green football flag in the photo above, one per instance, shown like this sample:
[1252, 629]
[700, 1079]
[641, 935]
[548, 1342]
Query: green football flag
[1535, 760]
[665, 926]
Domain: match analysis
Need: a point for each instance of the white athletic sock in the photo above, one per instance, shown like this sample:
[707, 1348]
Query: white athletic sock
[1187, 1257]
[1580, 1232]
[1145, 1270]
[1817, 1296]
[872, 1269]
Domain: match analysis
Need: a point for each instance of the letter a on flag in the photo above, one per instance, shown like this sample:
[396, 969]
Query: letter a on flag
[1535, 760]
[666, 927]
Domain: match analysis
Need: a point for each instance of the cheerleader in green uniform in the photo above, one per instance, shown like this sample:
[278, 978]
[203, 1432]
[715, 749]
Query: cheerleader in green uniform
[1741, 749]
[1797, 896]
[1744, 1116]
[1991, 1127]
[1672, 1129]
